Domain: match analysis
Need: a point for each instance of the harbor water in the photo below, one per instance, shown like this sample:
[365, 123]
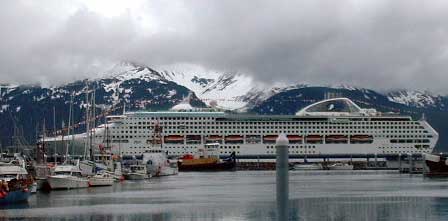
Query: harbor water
[247, 195]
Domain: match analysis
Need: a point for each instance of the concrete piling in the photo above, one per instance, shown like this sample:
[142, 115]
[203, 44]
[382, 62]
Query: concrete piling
[282, 188]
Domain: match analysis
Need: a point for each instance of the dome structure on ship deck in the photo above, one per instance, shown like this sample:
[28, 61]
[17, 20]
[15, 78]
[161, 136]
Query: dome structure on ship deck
[332, 107]
[183, 106]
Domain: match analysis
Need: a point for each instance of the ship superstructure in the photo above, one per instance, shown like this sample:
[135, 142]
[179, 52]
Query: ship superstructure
[333, 126]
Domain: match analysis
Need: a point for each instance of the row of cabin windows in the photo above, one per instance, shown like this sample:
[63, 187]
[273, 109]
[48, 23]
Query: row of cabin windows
[418, 146]
[294, 151]
[272, 127]
[297, 132]
[201, 121]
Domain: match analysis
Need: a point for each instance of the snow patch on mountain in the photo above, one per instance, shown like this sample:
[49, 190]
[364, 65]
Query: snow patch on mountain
[413, 98]
[224, 88]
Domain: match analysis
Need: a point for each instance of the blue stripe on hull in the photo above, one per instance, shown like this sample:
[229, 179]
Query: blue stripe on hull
[15, 196]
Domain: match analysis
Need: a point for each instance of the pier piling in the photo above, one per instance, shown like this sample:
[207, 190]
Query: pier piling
[282, 190]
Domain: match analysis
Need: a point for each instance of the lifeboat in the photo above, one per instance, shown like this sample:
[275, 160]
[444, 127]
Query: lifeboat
[253, 139]
[174, 139]
[294, 138]
[214, 138]
[193, 139]
[336, 139]
[314, 138]
[361, 139]
[269, 138]
[234, 139]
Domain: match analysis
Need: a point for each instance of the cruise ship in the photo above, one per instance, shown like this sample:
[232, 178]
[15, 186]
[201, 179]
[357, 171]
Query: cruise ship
[332, 126]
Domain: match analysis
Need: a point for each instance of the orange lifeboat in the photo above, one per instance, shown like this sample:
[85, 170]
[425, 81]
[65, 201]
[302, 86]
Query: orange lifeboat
[336, 138]
[174, 139]
[361, 139]
[295, 138]
[269, 138]
[234, 138]
[214, 138]
[314, 138]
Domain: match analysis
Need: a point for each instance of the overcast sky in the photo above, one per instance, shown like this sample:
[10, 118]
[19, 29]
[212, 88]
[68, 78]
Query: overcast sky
[381, 44]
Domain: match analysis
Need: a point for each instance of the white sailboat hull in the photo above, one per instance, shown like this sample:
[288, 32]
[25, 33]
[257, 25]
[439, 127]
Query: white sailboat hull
[67, 182]
[308, 167]
[94, 181]
[136, 176]
[340, 167]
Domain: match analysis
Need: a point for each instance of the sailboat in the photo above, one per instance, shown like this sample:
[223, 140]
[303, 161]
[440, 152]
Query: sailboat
[68, 176]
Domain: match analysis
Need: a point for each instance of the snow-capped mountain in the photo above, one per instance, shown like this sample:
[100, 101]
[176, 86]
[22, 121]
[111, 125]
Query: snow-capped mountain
[223, 88]
[140, 87]
[417, 99]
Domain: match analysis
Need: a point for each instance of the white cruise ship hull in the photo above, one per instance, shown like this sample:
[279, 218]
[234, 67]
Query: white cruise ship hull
[313, 131]
[67, 182]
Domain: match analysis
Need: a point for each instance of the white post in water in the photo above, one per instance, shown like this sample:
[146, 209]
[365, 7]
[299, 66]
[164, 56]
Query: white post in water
[282, 168]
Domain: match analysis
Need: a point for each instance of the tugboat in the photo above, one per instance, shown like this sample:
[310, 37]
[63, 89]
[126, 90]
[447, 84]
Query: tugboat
[207, 159]
[15, 184]
[437, 165]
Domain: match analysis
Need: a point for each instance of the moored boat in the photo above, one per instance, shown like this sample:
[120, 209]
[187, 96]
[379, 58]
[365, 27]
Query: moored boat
[207, 159]
[307, 166]
[101, 179]
[136, 172]
[158, 164]
[14, 184]
[340, 166]
[436, 164]
[67, 177]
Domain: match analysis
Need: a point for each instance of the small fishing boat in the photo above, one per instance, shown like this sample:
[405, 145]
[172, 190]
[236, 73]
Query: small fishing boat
[207, 159]
[67, 177]
[101, 179]
[15, 184]
[308, 166]
[436, 165]
[136, 172]
[340, 166]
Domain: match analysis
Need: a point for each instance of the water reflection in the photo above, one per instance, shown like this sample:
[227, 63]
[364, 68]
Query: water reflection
[246, 196]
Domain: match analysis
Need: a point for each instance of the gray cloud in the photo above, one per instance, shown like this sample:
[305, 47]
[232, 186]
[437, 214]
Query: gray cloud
[374, 43]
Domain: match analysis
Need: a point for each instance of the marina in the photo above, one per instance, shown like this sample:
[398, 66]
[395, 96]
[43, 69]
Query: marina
[343, 144]
[246, 195]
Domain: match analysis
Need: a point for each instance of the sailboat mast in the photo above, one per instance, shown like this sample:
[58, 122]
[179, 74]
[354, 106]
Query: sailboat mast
[69, 125]
[55, 134]
[43, 141]
[92, 132]
[87, 123]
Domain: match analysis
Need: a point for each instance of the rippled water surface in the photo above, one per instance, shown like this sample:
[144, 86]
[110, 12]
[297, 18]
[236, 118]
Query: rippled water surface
[247, 195]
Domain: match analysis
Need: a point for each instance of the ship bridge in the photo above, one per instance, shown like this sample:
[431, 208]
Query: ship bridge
[335, 107]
